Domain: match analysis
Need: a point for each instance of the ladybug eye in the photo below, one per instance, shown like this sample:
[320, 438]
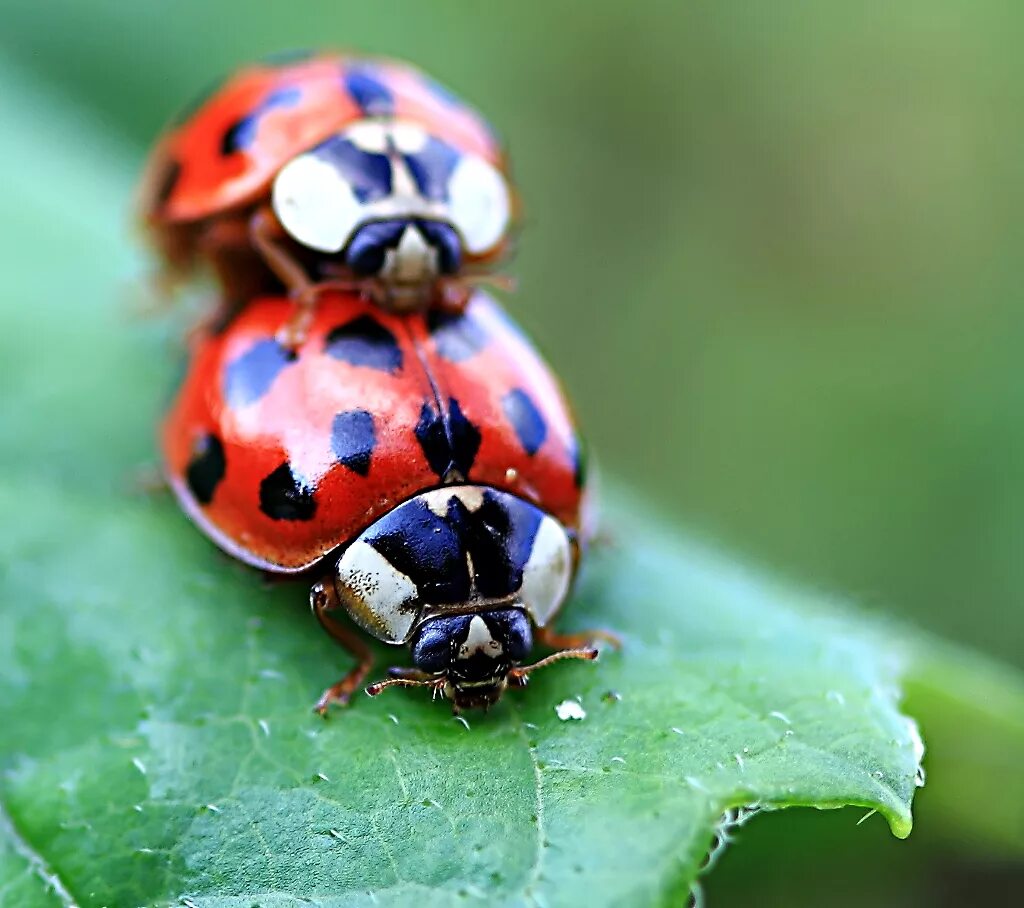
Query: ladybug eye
[478, 204]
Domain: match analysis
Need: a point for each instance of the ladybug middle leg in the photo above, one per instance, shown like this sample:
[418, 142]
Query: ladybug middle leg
[270, 241]
[323, 599]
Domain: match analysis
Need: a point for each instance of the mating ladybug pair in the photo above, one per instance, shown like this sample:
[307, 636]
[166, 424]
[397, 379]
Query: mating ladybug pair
[362, 414]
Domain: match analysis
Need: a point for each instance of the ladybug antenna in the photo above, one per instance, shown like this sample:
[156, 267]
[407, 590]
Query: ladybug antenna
[374, 689]
[519, 676]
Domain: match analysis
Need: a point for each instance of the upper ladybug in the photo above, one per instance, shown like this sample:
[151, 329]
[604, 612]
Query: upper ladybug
[335, 170]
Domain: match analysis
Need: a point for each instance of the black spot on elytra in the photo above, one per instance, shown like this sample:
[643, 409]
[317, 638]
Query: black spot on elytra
[283, 496]
[449, 440]
[353, 438]
[206, 468]
[250, 376]
[526, 419]
[431, 167]
[580, 457]
[367, 173]
[369, 91]
[242, 133]
[365, 342]
[456, 337]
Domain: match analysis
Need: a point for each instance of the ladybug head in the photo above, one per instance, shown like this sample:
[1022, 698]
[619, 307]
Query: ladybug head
[387, 202]
[472, 658]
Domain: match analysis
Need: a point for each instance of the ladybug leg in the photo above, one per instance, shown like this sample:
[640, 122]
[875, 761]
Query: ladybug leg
[323, 599]
[547, 637]
[268, 238]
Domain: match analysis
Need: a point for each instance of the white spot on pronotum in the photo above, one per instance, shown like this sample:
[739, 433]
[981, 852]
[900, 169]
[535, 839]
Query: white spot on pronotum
[547, 573]
[462, 719]
[782, 717]
[264, 727]
[836, 697]
[139, 765]
[478, 204]
[870, 813]
[570, 709]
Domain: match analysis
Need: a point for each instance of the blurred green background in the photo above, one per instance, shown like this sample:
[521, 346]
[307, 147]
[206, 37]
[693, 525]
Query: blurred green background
[774, 250]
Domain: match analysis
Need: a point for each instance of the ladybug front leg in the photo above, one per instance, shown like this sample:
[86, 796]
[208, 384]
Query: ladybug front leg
[324, 599]
[270, 240]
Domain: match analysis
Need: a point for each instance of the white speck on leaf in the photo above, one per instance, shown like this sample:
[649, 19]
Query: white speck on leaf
[462, 719]
[570, 709]
[139, 765]
[782, 717]
[618, 760]
[264, 727]
[836, 697]
[393, 718]
[677, 730]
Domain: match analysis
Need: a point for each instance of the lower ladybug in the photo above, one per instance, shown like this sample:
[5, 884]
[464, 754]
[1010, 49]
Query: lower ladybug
[424, 470]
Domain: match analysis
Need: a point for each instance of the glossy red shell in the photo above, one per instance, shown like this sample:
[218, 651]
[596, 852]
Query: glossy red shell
[283, 111]
[247, 413]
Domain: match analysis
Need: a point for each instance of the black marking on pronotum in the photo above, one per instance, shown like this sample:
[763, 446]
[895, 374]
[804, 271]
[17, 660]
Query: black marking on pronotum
[432, 550]
[249, 377]
[353, 438]
[449, 440]
[432, 167]
[365, 342]
[242, 133]
[205, 468]
[456, 337]
[368, 91]
[284, 496]
[367, 173]
[526, 419]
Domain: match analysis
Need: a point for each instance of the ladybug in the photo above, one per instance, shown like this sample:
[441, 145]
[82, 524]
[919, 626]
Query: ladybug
[332, 171]
[423, 470]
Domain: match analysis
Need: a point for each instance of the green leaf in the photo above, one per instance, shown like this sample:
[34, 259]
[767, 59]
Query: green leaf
[157, 742]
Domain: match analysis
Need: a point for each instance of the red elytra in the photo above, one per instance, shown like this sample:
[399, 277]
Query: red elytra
[284, 110]
[282, 456]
